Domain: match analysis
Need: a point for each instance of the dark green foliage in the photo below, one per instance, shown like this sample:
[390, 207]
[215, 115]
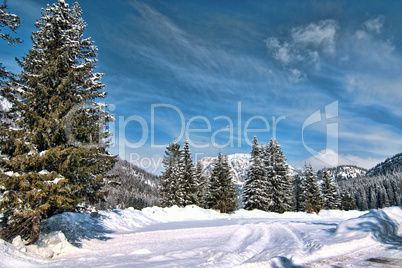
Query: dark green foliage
[60, 158]
[347, 202]
[187, 186]
[377, 191]
[255, 190]
[268, 186]
[298, 191]
[179, 185]
[329, 190]
[279, 185]
[203, 185]
[221, 194]
[312, 200]
[169, 178]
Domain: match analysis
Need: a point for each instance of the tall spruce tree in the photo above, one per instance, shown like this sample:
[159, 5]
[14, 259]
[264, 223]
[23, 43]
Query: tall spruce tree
[329, 190]
[60, 160]
[221, 194]
[298, 191]
[255, 190]
[278, 182]
[372, 197]
[187, 187]
[202, 182]
[312, 200]
[176, 193]
[168, 188]
[347, 201]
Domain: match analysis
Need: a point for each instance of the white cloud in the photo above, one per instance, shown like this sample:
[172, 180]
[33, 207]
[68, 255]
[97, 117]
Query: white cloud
[295, 75]
[374, 25]
[318, 35]
[305, 47]
[279, 52]
[362, 35]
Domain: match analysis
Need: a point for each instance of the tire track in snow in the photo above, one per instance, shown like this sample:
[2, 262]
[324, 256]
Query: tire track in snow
[256, 243]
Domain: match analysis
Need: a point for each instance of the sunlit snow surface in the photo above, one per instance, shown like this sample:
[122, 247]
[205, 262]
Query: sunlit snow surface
[194, 237]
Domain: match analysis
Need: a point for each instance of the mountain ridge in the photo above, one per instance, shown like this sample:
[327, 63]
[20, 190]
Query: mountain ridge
[240, 163]
[344, 172]
[390, 164]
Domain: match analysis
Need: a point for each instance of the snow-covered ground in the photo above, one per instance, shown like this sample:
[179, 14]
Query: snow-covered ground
[194, 237]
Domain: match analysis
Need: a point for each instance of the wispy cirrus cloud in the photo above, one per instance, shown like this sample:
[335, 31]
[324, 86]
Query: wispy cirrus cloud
[189, 60]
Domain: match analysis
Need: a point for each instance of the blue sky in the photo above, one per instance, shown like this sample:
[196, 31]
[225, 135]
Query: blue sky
[221, 66]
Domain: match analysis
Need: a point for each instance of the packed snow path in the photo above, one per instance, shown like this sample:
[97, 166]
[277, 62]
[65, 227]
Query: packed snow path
[193, 237]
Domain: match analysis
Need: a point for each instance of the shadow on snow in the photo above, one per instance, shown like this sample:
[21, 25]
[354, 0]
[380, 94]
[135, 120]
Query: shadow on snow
[77, 226]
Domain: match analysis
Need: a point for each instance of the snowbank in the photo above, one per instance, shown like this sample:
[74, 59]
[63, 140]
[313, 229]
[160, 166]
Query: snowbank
[383, 225]
[378, 226]
[51, 244]
[187, 236]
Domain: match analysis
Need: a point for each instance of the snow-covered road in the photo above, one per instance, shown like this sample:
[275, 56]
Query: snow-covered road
[193, 237]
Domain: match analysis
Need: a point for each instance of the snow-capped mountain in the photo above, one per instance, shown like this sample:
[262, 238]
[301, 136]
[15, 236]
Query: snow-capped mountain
[344, 172]
[389, 165]
[239, 164]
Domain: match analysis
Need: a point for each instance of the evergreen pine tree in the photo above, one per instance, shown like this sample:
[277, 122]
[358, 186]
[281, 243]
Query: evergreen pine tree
[168, 188]
[298, 191]
[329, 190]
[229, 197]
[312, 197]
[383, 200]
[187, 186]
[347, 202]
[60, 160]
[255, 193]
[214, 186]
[364, 205]
[372, 198]
[221, 194]
[202, 183]
[176, 193]
[279, 186]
